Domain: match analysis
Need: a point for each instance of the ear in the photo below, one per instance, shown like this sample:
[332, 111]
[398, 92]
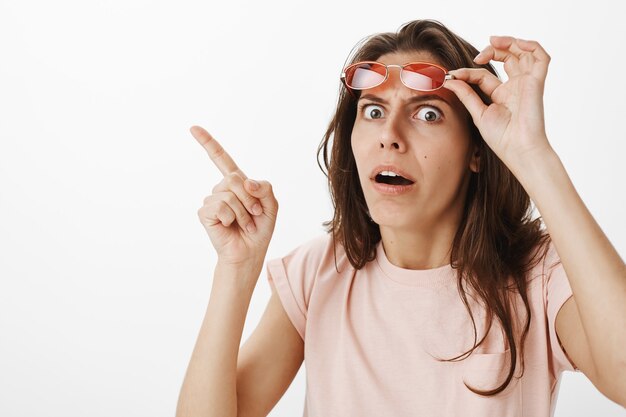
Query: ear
[475, 160]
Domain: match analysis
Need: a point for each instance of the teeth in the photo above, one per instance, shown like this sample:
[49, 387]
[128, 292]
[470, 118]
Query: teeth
[389, 174]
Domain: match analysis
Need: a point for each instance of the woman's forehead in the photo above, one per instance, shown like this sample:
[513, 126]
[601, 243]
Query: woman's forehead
[403, 57]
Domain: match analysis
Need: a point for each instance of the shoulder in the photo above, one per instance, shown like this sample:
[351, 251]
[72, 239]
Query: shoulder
[297, 274]
[317, 253]
[316, 245]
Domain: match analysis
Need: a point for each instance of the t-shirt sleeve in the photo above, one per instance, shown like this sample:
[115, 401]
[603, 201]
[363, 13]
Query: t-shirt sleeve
[294, 278]
[556, 292]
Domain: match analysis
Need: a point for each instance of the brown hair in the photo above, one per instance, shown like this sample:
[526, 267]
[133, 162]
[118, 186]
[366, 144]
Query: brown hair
[496, 237]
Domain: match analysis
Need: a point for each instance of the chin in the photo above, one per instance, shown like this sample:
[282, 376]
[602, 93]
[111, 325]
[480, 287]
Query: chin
[391, 219]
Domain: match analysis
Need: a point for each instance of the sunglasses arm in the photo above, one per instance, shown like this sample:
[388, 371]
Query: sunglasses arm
[348, 88]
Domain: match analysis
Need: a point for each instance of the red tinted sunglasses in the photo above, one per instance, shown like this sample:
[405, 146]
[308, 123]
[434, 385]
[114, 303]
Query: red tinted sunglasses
[420, 76]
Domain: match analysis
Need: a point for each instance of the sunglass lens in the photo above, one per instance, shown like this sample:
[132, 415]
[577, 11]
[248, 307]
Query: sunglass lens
[365, 75]
[423, 77]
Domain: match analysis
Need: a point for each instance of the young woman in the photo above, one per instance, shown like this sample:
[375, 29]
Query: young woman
[434, 291]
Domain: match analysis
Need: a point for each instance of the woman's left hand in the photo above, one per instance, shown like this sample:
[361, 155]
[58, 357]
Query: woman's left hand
[513, 125]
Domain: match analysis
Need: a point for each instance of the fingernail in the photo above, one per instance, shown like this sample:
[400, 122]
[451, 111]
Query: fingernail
[251, 227]
[253, 185]
[256, 209]
[480, 55]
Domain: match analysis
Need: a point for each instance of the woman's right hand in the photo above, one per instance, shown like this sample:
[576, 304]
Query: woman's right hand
[239, 231]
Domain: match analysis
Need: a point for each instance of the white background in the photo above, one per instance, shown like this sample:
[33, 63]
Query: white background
[105, 269]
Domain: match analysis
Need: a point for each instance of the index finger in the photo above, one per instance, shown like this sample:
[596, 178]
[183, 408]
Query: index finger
[218, 155]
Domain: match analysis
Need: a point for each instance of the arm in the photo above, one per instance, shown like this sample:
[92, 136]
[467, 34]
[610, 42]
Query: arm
[210, 384]
[239, 217]
[513, 127]
[595, 272]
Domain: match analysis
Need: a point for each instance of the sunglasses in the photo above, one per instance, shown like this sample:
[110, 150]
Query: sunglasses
[420, 76]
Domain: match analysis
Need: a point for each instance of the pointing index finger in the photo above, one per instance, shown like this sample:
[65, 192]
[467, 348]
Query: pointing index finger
[218, 155]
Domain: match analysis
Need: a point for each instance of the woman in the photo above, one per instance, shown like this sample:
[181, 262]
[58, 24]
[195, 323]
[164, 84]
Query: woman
[434, 292]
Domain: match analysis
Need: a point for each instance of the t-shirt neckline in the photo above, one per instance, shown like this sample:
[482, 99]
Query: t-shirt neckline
[433, 277]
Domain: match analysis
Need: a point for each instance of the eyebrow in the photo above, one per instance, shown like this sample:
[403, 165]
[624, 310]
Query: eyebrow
[414, 99]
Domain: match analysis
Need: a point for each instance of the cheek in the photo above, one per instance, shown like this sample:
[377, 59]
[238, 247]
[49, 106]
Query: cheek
[358, 143]
[359, 136]
[447, 146]
[359, 156]
[443, 164]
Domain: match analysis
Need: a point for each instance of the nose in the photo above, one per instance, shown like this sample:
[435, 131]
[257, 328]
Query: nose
[392, 136]
[391, 145]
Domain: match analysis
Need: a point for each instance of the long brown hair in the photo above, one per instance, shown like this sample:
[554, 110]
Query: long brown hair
[497, 238]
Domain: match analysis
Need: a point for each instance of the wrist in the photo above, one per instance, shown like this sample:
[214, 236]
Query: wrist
[542, 177]
[534, 165]
[243, 274]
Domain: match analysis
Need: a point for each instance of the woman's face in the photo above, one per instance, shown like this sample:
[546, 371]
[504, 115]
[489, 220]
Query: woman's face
[425, 136]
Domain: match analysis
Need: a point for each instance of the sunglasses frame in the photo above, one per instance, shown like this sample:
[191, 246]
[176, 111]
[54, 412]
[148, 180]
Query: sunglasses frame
[447, 76]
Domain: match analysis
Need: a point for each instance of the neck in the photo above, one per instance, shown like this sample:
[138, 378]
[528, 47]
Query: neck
[422, 249]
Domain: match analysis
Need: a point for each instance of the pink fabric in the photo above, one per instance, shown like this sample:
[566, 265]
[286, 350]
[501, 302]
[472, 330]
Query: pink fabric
[369, 336]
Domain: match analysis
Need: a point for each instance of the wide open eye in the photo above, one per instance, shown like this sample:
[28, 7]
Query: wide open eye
[372, 111]
[429, 114]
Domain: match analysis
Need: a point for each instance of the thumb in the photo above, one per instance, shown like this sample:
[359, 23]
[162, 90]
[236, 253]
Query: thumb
[263, 191]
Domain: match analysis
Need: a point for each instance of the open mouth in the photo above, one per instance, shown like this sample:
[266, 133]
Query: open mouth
[392, 180]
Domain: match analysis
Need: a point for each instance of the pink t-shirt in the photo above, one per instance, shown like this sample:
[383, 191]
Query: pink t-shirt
[369, 336]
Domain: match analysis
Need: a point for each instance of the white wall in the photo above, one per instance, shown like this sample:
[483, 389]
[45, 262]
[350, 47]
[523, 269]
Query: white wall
[105, 270]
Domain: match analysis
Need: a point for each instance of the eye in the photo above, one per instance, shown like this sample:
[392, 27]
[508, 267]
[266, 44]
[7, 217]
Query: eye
[372, 111]
[429, 114]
